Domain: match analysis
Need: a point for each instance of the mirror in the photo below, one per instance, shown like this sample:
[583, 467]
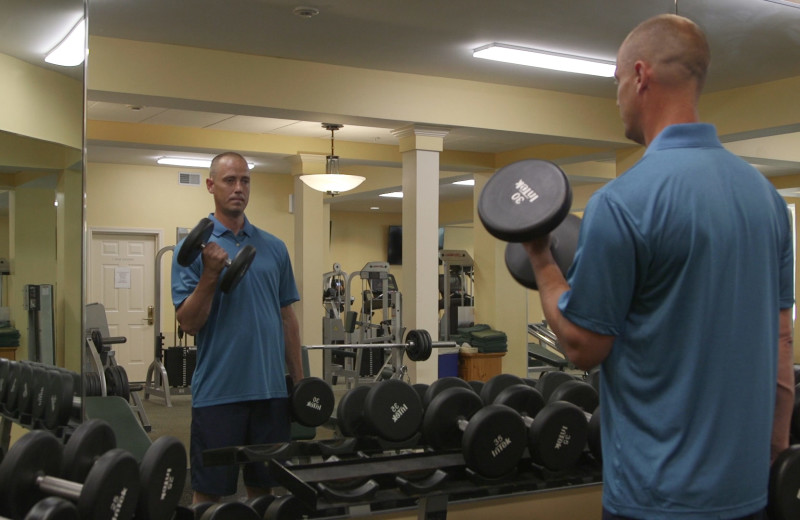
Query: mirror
[41, 184]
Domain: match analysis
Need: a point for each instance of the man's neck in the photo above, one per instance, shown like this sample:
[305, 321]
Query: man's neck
[233, 223]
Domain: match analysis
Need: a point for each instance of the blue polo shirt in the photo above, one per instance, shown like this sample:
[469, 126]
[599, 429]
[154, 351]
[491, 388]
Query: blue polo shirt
[687, 260]
[240, 349]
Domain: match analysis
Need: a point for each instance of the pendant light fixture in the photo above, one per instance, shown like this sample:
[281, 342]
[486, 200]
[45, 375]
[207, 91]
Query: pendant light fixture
[331, 182]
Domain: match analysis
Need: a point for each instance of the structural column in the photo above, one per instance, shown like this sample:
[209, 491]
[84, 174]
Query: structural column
[311, 246]
[420, 148]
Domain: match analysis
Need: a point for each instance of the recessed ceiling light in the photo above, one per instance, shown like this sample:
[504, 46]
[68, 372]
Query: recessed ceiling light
[392, 195]
[374, 208]
[467, 182]
[305, 12]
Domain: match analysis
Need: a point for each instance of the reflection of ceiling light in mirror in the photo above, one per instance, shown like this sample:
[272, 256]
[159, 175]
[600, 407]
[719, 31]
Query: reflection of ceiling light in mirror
[545, 59]
[72, 49]
[190, 163]
[374, 208]
[392, 195]
[468, 182]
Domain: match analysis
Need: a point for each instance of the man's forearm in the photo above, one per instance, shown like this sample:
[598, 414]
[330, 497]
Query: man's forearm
[584, 348]
[195, 309]
[292, 344]
[784, 397]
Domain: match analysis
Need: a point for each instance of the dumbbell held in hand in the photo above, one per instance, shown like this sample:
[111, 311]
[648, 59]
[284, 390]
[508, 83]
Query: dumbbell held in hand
[526, 200]
[197, 240]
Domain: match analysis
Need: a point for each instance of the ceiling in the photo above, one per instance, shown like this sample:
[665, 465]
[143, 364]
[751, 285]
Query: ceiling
[753, 41]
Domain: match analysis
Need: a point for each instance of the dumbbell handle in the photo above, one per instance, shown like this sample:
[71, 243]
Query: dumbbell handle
[228, 260]
[59, 487]
[435, 344]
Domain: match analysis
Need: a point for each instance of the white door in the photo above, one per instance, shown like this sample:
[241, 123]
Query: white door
[122, 278]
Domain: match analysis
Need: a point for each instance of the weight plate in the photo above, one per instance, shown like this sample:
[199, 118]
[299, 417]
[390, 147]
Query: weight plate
[111, 488]
[784, 482]
[162, 476]
[494, 441]
[238, 268]
[35, 454]
[497, 384]
[97, 339]
[350, 412]
[440, 385]
[393, 410]
[521, 398]
[90, 440]
[193, 244]
[524, 199]
[311, 401]
[124, 387]
[112, 381]
[579, 393]
[53, 508]
[58, 400]
[440, 424]
[563, 244]
[558, 435]
[230, 511]
[418, 345]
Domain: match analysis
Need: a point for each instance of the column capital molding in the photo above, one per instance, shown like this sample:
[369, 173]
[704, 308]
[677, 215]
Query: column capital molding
[421, 137]
[303, 163]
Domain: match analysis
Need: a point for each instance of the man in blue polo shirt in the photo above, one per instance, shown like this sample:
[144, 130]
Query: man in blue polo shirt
[681, 288]
[245, 337]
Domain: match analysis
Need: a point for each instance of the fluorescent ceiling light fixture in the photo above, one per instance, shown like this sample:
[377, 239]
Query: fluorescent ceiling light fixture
[467, 182]
[331, 182]
[190, 163]
[392, 195]
[374, 208]
[72, 49]
[545, 59]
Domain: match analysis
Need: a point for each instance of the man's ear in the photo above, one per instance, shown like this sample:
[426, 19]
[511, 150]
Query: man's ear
[210, 184]
[642, 73]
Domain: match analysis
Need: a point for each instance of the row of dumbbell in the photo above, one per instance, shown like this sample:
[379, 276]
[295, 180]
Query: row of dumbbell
[494, 428]
[33, 394]
[89, 477]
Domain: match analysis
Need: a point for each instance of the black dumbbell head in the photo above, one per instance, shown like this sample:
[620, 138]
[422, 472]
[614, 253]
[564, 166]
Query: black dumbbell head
[34, 454]
[350, 412]
[563, 244]
[162, 474]
[784, 481]
[87, 443]
[525, 199]
[238, 268]
[438, 386]
[193, 244]
[522, 398]
[311, 401]
[497, 384]
[549, 381]
[579, 393]
[494, 441]
[440, 423]
[558, 436]
[111, 485]
[393, 410]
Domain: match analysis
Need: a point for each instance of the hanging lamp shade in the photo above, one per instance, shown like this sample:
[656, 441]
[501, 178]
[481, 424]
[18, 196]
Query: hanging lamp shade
[331, 182]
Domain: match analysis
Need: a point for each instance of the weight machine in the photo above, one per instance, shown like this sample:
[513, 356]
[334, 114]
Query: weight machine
[378, 294]
[157, 381]
[457, 288]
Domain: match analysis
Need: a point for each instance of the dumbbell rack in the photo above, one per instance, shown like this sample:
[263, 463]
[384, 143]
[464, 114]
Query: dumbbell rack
[391, 480]
[96, 366]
